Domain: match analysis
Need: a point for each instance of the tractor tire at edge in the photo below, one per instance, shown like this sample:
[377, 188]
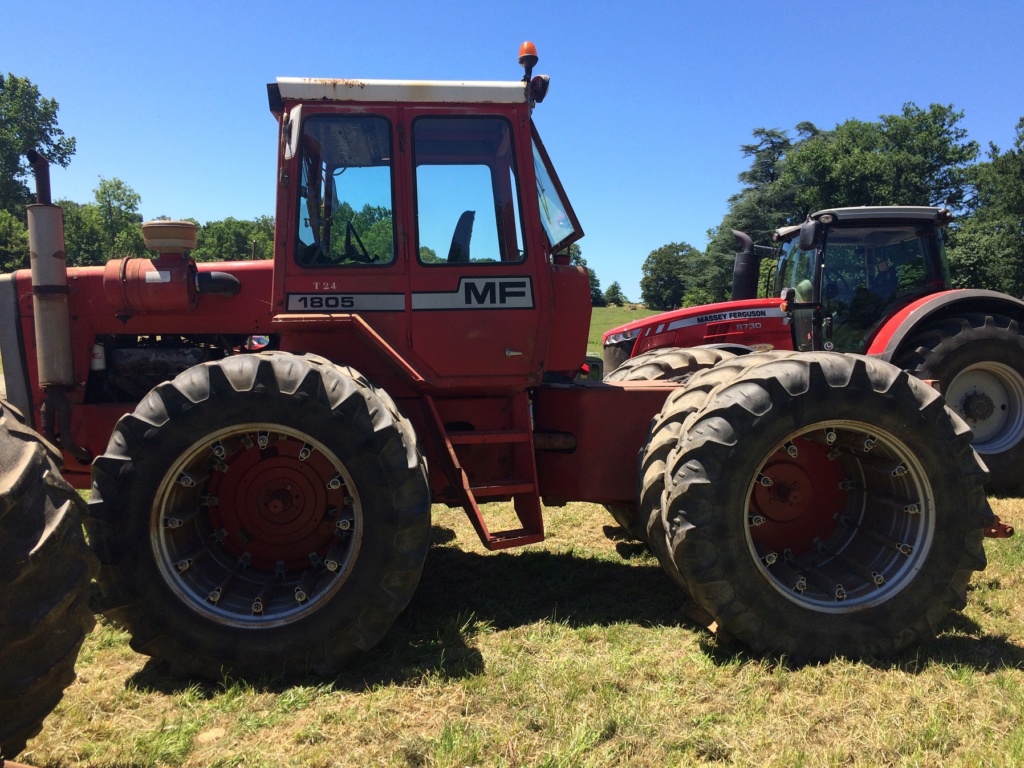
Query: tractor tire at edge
[45, 570]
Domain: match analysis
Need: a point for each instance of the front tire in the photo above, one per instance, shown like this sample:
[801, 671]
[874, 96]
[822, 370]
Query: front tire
[668, 364]
[825, 504]
[263, 514]
[45, 569]
[979, 363]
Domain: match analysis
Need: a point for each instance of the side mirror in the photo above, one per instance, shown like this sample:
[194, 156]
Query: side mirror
[810, 234]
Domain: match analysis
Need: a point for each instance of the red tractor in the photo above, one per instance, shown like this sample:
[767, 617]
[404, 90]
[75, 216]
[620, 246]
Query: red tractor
[269, 436]
[870, 280]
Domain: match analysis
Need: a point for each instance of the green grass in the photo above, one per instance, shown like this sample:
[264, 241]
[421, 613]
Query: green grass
[605, 318]
[575, 652]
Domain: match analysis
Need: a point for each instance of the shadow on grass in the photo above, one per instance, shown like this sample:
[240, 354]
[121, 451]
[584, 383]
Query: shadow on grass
[460, 592]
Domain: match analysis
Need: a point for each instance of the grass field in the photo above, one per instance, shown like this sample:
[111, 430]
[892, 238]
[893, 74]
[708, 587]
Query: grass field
[604, 318]
[571, 653]
[574, 652]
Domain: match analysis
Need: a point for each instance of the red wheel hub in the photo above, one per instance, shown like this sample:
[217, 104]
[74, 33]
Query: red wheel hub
[274, 505]
[797, 497]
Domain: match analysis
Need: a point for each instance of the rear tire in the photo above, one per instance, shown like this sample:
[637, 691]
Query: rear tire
[45, 570]
[263, 514]
[979, 363]
[666, 429]
[823, 505]
[664, 364]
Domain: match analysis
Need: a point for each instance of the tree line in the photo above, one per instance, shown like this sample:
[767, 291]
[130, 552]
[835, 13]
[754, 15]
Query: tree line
[916, 157]
[108, 226]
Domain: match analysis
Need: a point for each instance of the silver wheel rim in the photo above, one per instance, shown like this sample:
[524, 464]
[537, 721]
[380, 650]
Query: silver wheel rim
[840, 517]
[989, 396]
[280, 543]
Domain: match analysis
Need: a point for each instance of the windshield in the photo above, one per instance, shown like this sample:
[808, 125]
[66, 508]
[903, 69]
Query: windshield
[796, 270]
[883, 261]
[864, 273]
[556, 215]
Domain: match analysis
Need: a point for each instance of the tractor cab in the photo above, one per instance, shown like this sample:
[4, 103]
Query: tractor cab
[430, 213]
[844, 271]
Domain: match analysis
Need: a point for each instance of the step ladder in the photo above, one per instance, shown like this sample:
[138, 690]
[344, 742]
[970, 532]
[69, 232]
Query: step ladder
[521, 486]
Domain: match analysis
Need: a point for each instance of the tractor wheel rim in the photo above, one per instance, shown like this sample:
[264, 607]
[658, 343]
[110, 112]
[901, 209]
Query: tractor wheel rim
[840, 517]
[989, 396]
[256, 525]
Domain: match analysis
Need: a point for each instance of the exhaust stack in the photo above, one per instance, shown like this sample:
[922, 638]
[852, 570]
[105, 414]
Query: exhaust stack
[50, 308]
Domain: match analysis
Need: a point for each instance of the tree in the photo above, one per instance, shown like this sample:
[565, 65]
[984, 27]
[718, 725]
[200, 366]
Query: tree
[917, 157]
[83, 234]
[663, 282]
[614, 295]
[27, 121]
[233, 239]
[987, 248]
[119, 219]
[764, 204]
[576, 259]
[13, 242]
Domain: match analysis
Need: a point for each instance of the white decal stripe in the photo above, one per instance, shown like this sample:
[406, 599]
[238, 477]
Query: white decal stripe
[472, 293]
[722, 317]
[346, 302]
[480, 293]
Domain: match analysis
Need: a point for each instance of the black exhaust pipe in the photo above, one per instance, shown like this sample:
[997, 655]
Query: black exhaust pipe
[746, 269]
[41, 170]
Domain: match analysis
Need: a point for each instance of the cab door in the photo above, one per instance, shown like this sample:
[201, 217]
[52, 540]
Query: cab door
[478, 289]
[342, 213]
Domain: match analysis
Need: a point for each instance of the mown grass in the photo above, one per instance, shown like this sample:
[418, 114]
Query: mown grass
[604, 318]
[576, 652]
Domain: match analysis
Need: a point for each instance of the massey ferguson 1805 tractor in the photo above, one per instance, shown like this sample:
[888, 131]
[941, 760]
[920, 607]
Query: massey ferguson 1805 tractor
[871, 280]
[268, 510]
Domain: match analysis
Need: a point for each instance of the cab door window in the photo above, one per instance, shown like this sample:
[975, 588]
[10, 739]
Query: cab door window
[345, 200]
[467, 198]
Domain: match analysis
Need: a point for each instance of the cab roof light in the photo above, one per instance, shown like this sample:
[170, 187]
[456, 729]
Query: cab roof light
[528, 59]
[536, 87]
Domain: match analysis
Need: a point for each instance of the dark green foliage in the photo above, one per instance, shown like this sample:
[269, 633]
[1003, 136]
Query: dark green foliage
[917, 157]
[27, 121]
[235, 239]
[987, 247]
[13, 242]
[678, 275]
[614, 295]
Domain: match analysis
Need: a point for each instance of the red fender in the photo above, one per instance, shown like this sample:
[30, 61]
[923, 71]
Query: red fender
[903, 325]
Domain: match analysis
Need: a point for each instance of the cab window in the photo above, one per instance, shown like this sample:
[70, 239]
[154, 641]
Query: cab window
[467, 195]
[345, 199]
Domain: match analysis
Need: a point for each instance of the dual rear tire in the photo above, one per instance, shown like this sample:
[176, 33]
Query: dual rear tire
[816, 504]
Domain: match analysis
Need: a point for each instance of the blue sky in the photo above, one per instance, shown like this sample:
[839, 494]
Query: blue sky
[649, 102]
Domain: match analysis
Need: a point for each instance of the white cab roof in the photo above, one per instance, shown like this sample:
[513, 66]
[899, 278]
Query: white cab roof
[308, 89]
